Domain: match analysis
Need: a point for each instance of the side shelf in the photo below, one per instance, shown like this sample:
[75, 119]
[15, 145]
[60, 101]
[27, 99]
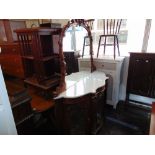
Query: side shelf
[40, 56]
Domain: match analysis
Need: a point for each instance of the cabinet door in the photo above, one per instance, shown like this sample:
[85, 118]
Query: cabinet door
[140, 76]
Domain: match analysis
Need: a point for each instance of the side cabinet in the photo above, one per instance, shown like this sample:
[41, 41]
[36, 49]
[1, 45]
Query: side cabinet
[112, 68]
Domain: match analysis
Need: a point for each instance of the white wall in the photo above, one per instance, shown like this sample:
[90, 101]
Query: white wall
[7, 124]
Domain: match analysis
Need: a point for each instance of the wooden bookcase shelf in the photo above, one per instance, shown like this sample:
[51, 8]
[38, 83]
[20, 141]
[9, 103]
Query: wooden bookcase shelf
[40, 56]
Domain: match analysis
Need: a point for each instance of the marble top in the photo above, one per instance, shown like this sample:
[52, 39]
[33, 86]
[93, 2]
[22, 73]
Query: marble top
[82, 83]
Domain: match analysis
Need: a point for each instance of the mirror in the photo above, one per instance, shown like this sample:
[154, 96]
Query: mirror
[73, 23]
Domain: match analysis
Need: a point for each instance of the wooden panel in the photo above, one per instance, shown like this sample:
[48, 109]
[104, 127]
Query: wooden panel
[81, 115]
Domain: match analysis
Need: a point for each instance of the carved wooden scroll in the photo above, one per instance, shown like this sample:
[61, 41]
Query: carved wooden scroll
[76, 22]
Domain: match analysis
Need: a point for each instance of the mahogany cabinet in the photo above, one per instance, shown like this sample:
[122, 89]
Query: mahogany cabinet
[10, 60]
[81, 115]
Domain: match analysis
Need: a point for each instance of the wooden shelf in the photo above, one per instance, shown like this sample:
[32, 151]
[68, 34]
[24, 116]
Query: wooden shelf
[46, 84]
[47, 58]
[28, 57]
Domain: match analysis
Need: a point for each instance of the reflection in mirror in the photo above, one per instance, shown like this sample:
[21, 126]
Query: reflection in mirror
[74, 39]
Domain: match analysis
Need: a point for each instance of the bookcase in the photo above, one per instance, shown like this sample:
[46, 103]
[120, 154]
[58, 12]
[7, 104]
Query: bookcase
[40, 56]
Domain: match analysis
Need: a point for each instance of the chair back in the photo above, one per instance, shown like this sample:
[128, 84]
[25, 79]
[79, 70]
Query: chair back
[90, 23]
[111, 26]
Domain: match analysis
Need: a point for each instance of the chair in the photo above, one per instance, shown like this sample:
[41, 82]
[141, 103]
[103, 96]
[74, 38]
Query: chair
[111, 28]
[90, 23]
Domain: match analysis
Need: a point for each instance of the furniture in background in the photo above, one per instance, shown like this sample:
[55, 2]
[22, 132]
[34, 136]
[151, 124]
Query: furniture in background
[112, 69]
[86, 41]
[141, 78]
[10, 59]
[71, 59]
[111, 28]
[40, 57]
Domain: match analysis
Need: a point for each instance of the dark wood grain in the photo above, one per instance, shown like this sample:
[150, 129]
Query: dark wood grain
[10, 60]
[82, 115]
[40, 60]
[141, 75]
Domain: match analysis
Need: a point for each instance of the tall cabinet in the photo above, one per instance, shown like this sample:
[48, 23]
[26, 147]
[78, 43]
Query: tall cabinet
[141, 78]
[40, 56]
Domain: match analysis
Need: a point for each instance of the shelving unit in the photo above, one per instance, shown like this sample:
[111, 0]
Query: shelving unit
[40, 56]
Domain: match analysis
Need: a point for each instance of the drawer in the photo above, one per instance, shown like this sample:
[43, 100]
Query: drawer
[99, 65]
[10, 49]
[84, 64]
[18, 72]
[105, 65]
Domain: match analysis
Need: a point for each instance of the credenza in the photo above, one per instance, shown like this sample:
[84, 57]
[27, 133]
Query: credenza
[80, 107]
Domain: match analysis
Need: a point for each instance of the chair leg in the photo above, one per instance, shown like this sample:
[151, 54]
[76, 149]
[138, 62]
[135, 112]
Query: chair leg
[83, 46]
[105, 41]
[114, 47]
[118, 45]
[99, 46]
